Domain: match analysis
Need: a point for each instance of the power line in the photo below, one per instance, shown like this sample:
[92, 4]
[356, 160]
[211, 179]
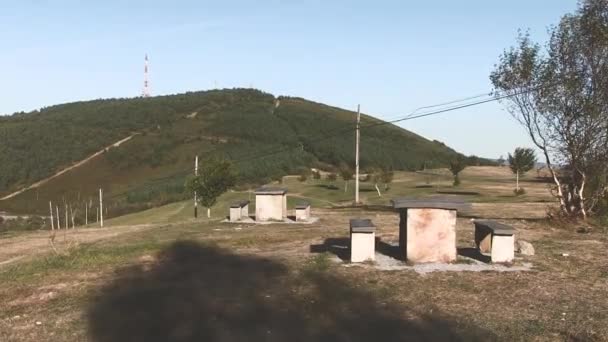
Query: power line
[468, 98]
[406, 118]
[410, 116]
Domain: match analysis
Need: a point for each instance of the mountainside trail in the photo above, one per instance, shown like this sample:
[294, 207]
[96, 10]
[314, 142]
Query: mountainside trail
[78, 164]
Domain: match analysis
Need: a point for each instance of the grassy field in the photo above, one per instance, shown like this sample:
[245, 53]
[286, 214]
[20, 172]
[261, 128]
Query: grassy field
[487, 188]
[160, 276]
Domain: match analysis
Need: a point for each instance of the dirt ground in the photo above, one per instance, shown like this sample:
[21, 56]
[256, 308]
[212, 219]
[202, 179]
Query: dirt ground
[226, 282]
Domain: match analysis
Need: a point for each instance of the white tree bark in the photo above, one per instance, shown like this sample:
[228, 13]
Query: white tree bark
[52, 219]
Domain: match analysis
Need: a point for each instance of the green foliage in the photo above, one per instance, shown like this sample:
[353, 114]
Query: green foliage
[346, 173]
[303, 177]
[316, 174]
[332, 177]
[264, 143]
[22, 223]
[215, 177]
[519, 191]
[522, 160]
[456, 166]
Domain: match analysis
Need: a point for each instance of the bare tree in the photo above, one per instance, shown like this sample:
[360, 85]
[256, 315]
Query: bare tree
[560, 95]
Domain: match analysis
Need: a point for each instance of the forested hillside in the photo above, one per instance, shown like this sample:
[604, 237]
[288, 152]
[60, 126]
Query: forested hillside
[265, 136]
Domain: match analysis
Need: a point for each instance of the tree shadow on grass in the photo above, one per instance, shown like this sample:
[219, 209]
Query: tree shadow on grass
[200, 293]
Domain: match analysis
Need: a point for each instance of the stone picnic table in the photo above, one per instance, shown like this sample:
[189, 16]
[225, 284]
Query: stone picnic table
[427, 228]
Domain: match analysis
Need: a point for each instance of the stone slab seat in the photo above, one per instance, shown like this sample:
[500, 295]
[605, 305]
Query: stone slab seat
[495, 238]
[302, 211]
[362, 240]
[238, 210]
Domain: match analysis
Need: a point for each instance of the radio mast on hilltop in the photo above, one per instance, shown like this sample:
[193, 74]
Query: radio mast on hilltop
[146, 91]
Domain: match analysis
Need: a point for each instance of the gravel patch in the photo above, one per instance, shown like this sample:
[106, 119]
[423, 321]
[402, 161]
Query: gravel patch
[386, 263]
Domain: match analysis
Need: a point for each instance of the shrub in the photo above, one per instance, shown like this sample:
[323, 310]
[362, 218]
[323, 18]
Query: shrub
[519, 192]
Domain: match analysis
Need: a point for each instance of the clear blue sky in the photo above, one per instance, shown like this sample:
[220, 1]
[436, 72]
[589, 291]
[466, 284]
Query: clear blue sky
[390, 56]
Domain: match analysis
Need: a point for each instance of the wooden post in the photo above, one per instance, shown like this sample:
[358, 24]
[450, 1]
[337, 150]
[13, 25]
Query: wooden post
[96, 214]
[58, 221]
[86, 214]
[52, 220]
[67, 222]
[357, 156]
[101, 207]
[195, 199]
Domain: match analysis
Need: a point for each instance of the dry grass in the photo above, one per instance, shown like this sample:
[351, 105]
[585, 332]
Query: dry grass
[125, 283]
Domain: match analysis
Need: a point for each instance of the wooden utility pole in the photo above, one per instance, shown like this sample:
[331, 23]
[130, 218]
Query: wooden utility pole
[101, 208]
[195, 199]
[52, 220]
[357, 156]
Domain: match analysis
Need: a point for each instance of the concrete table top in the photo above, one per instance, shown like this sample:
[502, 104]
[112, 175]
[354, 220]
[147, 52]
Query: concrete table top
[271, 191]
[362, 226]
[239, 204]
[495, 227]
[430, 203]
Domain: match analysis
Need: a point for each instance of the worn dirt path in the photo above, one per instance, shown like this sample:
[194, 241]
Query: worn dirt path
[26, 245]
[59, 173]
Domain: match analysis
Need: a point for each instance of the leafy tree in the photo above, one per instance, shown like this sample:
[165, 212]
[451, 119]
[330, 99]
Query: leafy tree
[304, 173]
[215, 177]
[456, 166]
[347, 174]
[332, 177]
[501, 161]
[559, 93]
[386, 177]
[316, 175]
[520, 162]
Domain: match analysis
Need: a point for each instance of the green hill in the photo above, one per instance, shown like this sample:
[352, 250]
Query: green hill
[265, 136]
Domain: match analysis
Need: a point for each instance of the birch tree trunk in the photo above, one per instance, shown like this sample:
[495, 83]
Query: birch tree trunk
[52, 219]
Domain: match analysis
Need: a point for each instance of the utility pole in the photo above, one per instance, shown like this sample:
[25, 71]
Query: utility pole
[357, 156]
[86, 214]
[195, 199]
[52, 220]
[101, 208]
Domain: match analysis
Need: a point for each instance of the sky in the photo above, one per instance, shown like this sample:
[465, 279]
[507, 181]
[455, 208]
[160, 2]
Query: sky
[390, 57]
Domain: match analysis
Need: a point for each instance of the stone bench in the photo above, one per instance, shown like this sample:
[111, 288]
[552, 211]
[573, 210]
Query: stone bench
[362, 240]
[495, 238]
[302, 211]
[239, 210]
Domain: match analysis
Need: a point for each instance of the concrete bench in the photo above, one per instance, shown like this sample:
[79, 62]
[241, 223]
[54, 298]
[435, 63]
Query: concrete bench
[302, 211]
[362, 240]
[495, 238]
[239, 210]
